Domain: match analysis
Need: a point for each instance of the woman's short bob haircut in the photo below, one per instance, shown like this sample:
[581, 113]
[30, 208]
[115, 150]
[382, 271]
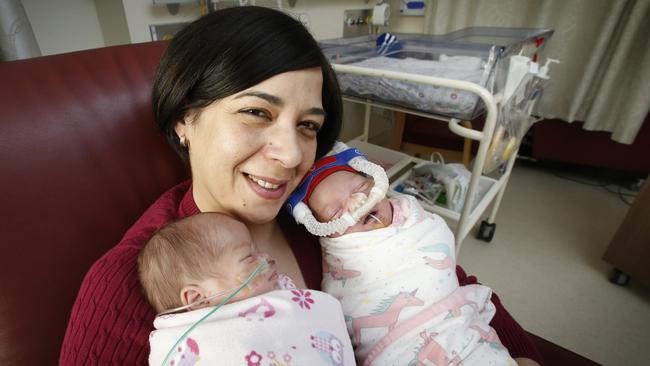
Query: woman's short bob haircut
[230, 50]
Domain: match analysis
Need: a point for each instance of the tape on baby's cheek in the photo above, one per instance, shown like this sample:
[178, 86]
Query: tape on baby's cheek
[253, 283]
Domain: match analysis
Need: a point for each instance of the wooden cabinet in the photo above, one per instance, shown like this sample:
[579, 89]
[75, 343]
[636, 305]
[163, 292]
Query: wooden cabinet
[629, 250]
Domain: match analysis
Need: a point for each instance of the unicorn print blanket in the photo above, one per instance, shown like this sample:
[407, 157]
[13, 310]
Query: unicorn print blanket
[400, 294]
[281, 328]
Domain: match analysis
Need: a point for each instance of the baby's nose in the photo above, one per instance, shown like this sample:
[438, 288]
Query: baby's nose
[261, 255]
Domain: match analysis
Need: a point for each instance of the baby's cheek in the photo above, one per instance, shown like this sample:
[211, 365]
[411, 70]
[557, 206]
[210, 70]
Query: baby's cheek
[262, 287]
[359, 226]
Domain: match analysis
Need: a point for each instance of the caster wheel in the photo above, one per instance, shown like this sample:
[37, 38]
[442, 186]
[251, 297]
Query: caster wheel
[618, 278]
[486, 231]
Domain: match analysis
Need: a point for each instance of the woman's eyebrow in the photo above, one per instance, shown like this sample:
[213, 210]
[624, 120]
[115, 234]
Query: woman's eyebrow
[268, 97]
[316, 111]
[278, 102]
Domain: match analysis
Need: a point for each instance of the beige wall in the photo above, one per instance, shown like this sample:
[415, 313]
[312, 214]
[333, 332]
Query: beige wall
[325, 17]
[64, 25]
[112, 21]
[141, 13]
[70, 25]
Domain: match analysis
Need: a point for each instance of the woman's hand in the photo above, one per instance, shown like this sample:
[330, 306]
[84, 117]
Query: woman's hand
[526, 362]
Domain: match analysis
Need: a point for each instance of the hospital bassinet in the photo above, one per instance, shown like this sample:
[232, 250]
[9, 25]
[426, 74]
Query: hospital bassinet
[478, 55]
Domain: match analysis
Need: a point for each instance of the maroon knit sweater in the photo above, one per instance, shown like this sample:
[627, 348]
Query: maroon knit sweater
[111, 319]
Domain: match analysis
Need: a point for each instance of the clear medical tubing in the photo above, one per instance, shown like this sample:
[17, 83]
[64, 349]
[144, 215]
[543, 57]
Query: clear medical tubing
[264, 263]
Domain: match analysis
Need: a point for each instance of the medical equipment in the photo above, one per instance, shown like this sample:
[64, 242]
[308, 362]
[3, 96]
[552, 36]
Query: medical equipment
[423, 194]
[381, 14]
[387, 43]
[519, 69]
[378, 223]
[523, 88]
[261, 267]
[479, 55]
[453, 77]
[340, 158]
[412, 7]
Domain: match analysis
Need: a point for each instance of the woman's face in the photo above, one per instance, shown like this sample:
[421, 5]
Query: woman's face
[248, 151]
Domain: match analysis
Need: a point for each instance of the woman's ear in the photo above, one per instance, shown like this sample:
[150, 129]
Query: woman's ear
[181, 128]
[191, 294]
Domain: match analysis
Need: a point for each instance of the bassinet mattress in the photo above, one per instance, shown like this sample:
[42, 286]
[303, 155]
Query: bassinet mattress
[427, 98]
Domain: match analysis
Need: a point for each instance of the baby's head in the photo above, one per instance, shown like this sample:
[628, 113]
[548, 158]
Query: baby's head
[198, 257]
[335, 197]
[343, 191]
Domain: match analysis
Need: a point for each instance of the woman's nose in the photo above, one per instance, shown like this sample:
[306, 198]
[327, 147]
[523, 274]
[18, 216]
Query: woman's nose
[284, 147]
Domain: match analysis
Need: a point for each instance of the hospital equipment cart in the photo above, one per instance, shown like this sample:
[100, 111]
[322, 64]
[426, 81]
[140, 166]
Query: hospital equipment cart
[384, 80]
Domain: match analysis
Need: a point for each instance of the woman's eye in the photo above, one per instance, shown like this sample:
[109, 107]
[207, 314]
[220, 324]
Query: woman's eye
[257, 113]
[310, 126]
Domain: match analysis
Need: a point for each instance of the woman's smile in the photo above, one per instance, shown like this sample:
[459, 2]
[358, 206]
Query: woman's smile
[267, 188]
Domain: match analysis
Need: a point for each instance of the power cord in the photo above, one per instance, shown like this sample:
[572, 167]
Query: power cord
[603, 184]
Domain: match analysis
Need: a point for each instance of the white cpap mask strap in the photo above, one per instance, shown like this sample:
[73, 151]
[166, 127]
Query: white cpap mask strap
[304, 216]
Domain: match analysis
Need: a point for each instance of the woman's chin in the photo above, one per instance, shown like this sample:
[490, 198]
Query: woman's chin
[262, 215]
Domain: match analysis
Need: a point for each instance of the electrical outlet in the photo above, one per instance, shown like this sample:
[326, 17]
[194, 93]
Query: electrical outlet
[355, 22]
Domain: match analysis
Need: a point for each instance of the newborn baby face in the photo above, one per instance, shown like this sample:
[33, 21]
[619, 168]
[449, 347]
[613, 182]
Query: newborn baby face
[236, 264]
[340, 193]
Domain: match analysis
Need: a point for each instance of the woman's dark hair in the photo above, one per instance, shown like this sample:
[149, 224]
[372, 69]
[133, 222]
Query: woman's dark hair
[230, 50]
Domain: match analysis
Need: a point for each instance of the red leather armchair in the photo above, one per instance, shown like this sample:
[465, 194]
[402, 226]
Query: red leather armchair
[80, 160]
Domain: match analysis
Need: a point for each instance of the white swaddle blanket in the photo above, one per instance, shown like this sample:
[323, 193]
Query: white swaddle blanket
[400, 294]
[283, 327]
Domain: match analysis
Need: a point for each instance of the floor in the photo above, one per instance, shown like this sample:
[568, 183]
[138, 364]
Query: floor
[545, 263]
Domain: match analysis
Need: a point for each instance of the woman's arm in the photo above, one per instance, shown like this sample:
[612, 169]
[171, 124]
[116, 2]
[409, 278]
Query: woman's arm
[111, 319]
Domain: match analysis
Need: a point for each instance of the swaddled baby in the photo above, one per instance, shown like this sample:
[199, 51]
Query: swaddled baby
[395, 274]
[208, 261]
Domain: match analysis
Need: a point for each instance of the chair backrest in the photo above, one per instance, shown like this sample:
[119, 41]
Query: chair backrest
[80, 160]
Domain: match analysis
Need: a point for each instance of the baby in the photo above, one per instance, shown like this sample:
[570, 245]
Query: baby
[395, 274]
[221, 300]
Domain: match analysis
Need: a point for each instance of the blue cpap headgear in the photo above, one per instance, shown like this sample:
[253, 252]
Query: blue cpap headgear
[340, 158]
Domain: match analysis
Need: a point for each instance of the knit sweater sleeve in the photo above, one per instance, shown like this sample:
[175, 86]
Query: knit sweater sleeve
[111, 318]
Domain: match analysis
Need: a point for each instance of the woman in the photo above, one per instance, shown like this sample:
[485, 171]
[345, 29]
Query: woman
[247, 98]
